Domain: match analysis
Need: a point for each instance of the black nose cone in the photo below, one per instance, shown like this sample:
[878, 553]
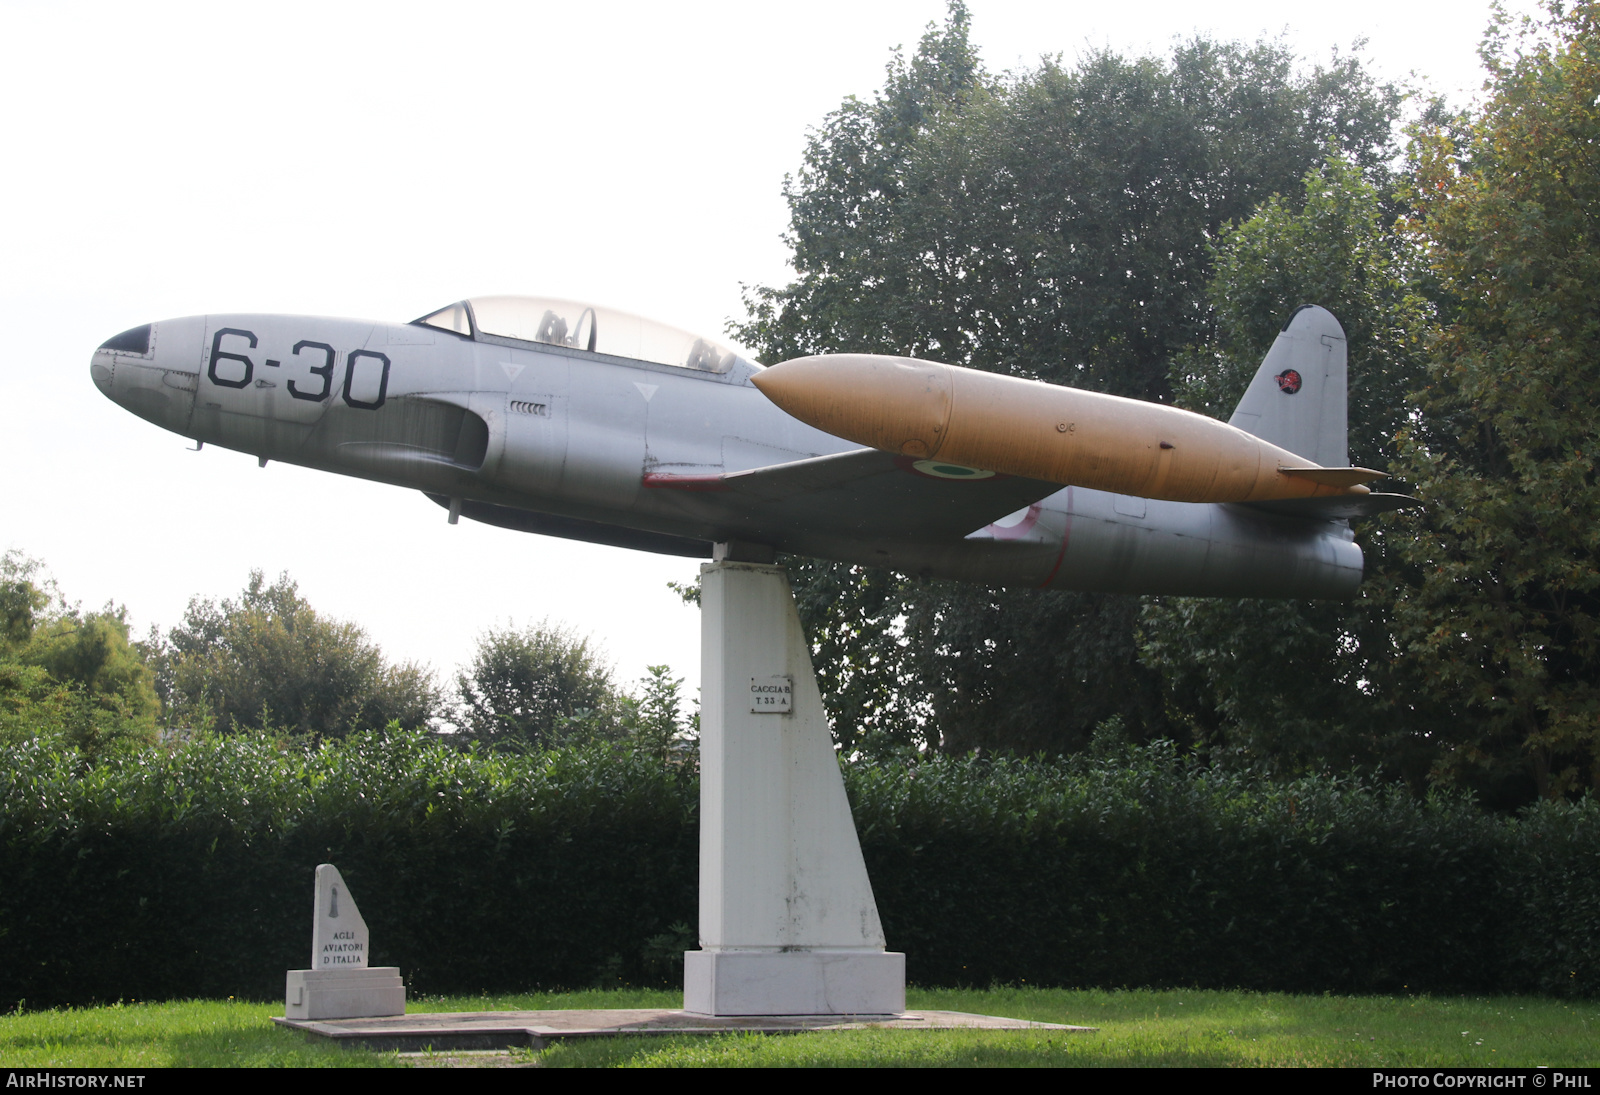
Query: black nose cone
[135, 341]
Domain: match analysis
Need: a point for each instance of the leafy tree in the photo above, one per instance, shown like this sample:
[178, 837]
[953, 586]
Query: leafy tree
[1500, 607]
[67, 675]
[269, 659]
[1028, 671]
[24, 597]
[1332, 243]
[864, 661]
[656, 718]
[1052, 224]
[541, 686]
[1306, 684]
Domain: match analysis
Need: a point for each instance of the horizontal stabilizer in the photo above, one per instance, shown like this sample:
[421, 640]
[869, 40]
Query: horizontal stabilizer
[1337, 507]
[1336, 477]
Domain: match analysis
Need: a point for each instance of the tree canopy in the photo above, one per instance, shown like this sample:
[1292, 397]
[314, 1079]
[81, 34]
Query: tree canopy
[536, 687]
[1499, 608]
[1142, 226]
[65, 674]
[1056, 224]
[1290, 684]
[269, 660]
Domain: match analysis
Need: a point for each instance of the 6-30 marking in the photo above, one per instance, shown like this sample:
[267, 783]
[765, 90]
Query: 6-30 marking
[324, 371]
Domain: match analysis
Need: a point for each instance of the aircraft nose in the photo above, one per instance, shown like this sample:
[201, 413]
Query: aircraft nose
[152, 370]
[135, 340]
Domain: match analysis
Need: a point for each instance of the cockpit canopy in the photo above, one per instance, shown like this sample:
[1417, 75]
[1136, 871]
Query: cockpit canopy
[584, 327]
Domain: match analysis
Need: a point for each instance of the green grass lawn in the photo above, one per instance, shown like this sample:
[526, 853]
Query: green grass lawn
[1135, 1028]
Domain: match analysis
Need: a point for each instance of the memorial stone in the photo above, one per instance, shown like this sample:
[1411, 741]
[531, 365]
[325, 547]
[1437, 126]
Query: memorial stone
[340, 984]
[338, 933]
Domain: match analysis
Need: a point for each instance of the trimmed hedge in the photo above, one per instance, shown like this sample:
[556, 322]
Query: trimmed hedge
[163, 875]
[188, 873]
[1146, 872]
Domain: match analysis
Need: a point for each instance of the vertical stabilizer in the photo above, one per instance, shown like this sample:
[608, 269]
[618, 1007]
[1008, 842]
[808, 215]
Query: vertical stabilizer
[1297, 399]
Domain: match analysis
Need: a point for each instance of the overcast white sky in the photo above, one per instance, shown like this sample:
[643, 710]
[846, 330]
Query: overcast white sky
[380, 160]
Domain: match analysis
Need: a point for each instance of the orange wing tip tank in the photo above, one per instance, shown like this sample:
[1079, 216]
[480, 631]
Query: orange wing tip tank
[1044, 431]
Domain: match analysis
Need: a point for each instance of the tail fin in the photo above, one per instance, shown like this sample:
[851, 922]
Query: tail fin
[1297, 402]
[1297, 399]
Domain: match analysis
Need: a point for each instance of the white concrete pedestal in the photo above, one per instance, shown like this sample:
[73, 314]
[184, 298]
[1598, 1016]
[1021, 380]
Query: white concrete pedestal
[788, 925]
[344, 994]
[803, 982]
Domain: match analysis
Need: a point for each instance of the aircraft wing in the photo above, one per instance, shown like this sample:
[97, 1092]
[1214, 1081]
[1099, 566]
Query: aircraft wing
[888, 496]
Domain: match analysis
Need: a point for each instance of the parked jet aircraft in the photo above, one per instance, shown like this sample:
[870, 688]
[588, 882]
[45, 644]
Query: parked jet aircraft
[570, 420]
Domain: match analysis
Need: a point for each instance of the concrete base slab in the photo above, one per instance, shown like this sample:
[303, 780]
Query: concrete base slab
[344, 994]
[807, 982]
[468, 1030]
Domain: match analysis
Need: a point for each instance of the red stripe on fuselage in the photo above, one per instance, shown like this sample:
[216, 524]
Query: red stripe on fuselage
[1066, 534]
[664, 481]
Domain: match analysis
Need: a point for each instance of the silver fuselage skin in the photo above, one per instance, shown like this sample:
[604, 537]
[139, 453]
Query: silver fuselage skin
[597, 448]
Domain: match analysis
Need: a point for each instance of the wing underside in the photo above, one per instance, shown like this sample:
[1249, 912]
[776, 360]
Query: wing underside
[864, 492]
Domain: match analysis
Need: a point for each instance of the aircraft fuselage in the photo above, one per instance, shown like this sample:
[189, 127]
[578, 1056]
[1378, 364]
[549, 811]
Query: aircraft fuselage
[592, 446]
